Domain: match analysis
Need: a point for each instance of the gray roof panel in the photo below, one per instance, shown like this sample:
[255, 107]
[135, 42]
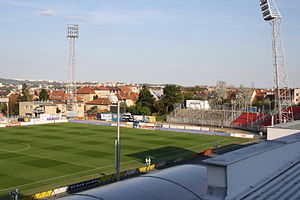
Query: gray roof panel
[176, 183]
[235, 156]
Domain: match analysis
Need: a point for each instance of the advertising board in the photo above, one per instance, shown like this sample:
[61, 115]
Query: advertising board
[26, 123]
[115, 117]
[106, 116]
[152, 119]
[242, 135]
[13, 124]
[4, 100]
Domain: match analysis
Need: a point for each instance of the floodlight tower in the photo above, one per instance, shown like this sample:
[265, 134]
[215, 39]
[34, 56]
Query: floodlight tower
[72, 35]
[283, 100]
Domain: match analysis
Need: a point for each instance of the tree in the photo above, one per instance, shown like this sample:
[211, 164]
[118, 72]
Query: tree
[3, 108]
[160, 108]
[146, 98]
[145, 103]
[267, 103]
[58, 110]
[172, 95]
[221, 92]
[93, 111]
[243, 96]
[95, 97]
[138, 109]
[43, 96]
[188, 96]
[144, 110]
[25, 95]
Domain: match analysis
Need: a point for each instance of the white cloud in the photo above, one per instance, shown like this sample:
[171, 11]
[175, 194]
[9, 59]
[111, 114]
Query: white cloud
[47, 13]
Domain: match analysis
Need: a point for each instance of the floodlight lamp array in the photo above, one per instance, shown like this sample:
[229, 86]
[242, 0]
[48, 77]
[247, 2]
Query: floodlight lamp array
[73, 31]
[269, 11]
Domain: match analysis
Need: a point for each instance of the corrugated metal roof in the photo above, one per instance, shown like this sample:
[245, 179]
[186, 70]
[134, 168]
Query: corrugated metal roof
[285, 185]
[186, 182]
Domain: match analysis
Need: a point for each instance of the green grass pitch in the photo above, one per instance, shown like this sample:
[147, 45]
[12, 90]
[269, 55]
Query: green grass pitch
[37, 158]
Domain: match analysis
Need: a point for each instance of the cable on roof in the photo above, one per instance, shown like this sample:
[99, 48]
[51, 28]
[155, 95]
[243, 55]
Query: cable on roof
[87, 195]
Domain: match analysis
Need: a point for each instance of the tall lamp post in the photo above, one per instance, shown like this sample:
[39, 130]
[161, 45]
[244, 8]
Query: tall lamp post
[117, 139]
[117, 143]
[72, 35]
[283, 100]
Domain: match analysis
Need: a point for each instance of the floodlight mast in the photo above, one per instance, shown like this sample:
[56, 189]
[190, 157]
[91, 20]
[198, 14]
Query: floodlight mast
[283, 100]
[72, 35]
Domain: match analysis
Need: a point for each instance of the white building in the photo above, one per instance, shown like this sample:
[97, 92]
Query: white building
[197, 105]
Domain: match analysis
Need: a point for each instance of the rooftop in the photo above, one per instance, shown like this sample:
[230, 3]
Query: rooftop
[99, 101]
[290, 125]
[85, 90]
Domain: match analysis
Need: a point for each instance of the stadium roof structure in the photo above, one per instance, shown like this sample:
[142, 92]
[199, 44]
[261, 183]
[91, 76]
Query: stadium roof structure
[267, 170]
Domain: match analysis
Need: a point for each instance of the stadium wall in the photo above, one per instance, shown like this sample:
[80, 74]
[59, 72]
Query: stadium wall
[274, 133]
[33, 122]
[172, 128]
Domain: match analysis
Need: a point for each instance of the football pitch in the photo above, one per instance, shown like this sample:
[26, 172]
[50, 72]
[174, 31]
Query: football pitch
[37, 158]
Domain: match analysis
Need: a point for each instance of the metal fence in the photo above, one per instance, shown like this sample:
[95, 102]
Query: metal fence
[219, 116]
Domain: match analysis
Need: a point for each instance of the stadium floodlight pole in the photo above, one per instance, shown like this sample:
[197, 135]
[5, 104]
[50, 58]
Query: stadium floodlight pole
[72, 35]
[283, 100]
[117, 143]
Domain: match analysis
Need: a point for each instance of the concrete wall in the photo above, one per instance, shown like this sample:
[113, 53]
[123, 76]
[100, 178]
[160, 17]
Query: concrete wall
[86, 97]
[274, 133]
[50, 109]
[80, 109]
[25, 107]
[242, 175]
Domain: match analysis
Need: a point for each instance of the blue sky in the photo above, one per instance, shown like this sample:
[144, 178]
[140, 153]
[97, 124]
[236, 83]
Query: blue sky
[187, 42]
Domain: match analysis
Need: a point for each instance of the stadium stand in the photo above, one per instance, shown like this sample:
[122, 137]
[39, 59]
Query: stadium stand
[249, 119]
[203, 117]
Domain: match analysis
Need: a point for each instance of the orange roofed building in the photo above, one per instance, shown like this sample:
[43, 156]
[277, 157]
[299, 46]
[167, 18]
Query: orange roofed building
[103, 104]
[128, 98]
[86, 93]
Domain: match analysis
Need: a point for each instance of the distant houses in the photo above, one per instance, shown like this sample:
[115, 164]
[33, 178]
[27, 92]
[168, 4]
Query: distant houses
[104, 97]
[88, 97]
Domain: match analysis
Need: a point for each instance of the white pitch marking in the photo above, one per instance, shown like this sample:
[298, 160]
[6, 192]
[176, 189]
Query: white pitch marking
[58, 177]
[16, 151]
